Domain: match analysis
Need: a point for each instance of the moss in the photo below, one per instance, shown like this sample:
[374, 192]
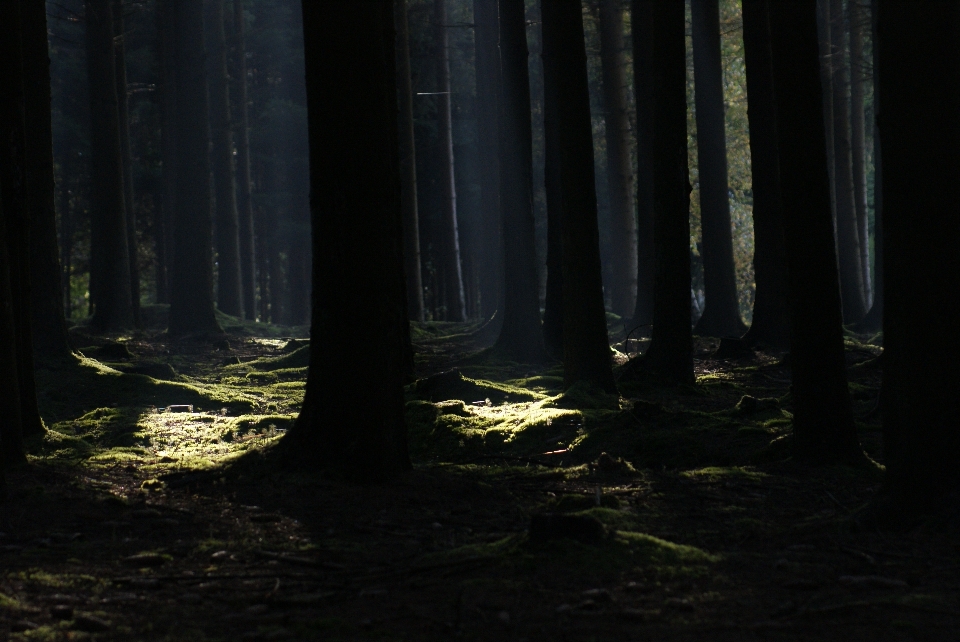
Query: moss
[584, 395]
[723, 473]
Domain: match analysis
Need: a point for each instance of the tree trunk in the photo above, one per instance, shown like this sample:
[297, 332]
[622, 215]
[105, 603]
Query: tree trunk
[109, 251]
[126, 157]
[858, 140]
[50, 341]
[670, 355]
[919, 80]
[619, 164]
[167, 30]
[771, 323]
[244, 201]
[11, 428]
[642, 35]
[408, 168]
[191, 294]
[826, 82]
[553, 301]
[721, 314]
[586, 349]
[358, 247]
[486, 37]
[452, 267]
[521, 336]
[848, 238]
[227, 239]
[823, 425]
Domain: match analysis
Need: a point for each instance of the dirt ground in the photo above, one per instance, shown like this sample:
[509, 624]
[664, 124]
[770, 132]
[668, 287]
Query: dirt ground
[129, 523]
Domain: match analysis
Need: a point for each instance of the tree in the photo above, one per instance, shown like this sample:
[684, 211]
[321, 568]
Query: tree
[167, 56]
[586, 348]
[823, 425]
[858, 134]
[357, 243]
[670, 355]
[919, 98]
[49, 331]
[553, 300]
[408, 168]
[721, 314]
[227, 239]
[11, 428]
[771, 325]
[520, 337]
[191, 283]
[642, 36]
[619, 166]
[110, 258]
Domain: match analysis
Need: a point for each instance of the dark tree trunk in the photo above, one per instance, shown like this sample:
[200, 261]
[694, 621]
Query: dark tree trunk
[11, 428]
[486, 37]
[586, 349]
[721, 315]
[408, 168]
[826, 82]
[858, 135]
[191, 292]
[50, 341]
[823, 423]
[109, 251]
[126, 157]
[642, 35]
[553, 301]
[357, 246]
[167, 30]
[920, 97]
[670, 355]
[771, 323]
[848, 238]
[66, 237]
[244, 202]
[619, 165]
[521, 336]
[227, 239]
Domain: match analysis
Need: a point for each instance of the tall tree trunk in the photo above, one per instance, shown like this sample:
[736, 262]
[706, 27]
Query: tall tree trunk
[670, 355]
[553, 301]
[191, 294]
[586, 348]
[823, 425]
[167, 31]
[49, 331]
[66, 236]
[771, 323]
[641, 12]
[452, 266]
[358, 247]
[721, 314]
[858, 127]
[826, 82]
[520, 337]
[110, 257]
[126, 156]
[619, 164]
[848, 238]
[11, 428]
[919, 81]
[227, 239]
[244, 201]
[408, 168]
[486, 37]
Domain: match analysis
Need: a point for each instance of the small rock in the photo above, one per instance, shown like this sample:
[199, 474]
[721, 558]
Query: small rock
[61, 612]
[145, 559]
[222, 345]
[436, 525]
[220, 555]
[90, 623]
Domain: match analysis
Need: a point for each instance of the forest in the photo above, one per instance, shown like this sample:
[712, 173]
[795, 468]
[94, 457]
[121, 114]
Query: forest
[522, 320]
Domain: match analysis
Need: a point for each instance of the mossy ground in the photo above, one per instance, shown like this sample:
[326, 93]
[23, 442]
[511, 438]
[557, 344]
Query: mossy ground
[132, 523]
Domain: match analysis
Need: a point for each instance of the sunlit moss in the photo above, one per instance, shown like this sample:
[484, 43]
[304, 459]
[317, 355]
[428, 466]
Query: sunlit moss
[722, 473]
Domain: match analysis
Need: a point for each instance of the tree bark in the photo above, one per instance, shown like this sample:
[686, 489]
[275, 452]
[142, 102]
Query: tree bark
[670, 355]
[126, 157]
[848, 237]
[227, 239]
[553, 308]
[586, 348]
[357, 242]
[167, 31]
[721, 314]
[823, 425]
[919, 81]
[858, 141]
[771, 324]
[408, 168]
[619, 164]
[521, 335]
[110, 256]
[49, 330]
[486, 37]
[11, 428]
[191, 295]
[642, 36]
[826, 82]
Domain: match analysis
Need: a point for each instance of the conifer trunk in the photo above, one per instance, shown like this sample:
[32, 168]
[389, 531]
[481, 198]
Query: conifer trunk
[858, 141]
[642, 36]
[553, 308]
[166, 29]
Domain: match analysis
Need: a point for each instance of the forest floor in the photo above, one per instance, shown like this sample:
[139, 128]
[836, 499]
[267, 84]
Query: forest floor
[153, 509]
